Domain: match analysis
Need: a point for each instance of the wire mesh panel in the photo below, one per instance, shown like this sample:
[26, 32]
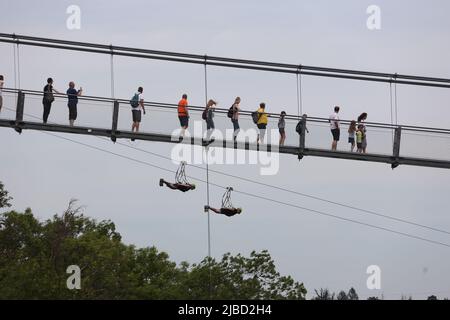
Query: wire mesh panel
[379, 139]
[425, 145]
[8, 110]
[96, 114]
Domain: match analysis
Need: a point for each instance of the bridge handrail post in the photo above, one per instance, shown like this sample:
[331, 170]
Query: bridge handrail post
[396, 147]
[19, 110]
[115, 120]
[302, 138]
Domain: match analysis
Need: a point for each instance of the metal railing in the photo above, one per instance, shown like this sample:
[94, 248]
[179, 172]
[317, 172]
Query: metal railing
[101, 112]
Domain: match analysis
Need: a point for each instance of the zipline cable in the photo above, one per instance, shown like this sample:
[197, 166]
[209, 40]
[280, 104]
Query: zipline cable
[258, 197]
[207, 189]
[292, 191]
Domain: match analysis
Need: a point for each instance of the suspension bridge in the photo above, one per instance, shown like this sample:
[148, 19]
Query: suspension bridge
[397, 144]
[392, 148]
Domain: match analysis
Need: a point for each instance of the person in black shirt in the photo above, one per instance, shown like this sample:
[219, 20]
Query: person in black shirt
[72, 102]
[48, 99]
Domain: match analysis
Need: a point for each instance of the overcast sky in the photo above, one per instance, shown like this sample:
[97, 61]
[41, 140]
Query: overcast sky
[44, 172]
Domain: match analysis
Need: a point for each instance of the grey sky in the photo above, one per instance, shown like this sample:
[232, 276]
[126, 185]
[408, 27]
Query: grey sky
[44, 172]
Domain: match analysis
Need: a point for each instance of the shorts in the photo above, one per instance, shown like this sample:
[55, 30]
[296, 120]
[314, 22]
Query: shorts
[137, 115]
[351, 140]
[72, 111]
[184, 121]
[262, 126]
[359, 145]
[282, 131]
[364, 143]
[336, 134]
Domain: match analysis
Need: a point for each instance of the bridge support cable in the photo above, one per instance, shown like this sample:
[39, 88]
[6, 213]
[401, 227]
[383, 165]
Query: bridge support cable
[396, 102]
[391, 104]
[18, 66]
[15, 66]
[113, 96]
[299, 92]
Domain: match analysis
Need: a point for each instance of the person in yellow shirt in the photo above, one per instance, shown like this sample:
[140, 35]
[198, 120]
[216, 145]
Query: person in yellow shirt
[262, 122]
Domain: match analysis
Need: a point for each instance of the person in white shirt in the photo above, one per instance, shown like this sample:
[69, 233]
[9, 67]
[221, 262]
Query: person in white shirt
[137, 104]
[335, 128]
[1, 87]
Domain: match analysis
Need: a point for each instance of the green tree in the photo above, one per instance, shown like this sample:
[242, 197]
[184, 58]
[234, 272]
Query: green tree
[342, 296]
[324, 294]
[352, 295]
[4, 197]
[34, 257]
[238, 277]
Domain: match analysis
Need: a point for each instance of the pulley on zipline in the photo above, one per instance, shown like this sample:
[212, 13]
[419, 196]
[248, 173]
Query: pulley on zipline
[181, 182]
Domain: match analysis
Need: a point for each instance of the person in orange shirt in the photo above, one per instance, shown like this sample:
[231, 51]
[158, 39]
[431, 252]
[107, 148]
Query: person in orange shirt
[183, 114]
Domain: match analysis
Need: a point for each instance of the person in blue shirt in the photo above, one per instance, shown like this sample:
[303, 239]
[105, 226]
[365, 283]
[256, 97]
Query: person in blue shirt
[73, 95]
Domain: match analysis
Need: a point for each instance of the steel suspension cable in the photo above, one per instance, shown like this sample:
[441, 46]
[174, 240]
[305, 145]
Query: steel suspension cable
[18, 65]
[113, 96]
[15, 67]
[396, 104]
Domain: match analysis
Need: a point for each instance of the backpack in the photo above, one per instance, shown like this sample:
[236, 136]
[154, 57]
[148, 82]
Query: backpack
[135, 100]
[299, 127]
[48, 95]
[205, 114]
[230, 112]
[255, 116]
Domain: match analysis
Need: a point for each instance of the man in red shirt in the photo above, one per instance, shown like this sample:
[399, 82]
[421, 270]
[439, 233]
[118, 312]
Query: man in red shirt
[183, 114]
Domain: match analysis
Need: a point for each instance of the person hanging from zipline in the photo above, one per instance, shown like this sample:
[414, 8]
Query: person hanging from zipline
[181, 182]
[227, 208]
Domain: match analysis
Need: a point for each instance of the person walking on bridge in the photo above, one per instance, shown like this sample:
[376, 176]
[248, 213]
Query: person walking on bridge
[137, 104]
[235, 117]
[183, 114]
[262, 122]
[48, 99]
[72, 95]
[335, 128]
